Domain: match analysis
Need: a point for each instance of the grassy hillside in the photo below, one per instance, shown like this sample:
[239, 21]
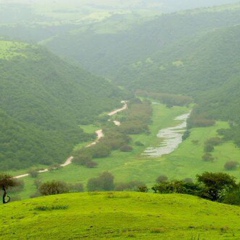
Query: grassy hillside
[43, 100]
[115, 215]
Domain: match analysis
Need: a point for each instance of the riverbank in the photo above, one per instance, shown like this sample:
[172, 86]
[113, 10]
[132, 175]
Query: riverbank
[171, 138]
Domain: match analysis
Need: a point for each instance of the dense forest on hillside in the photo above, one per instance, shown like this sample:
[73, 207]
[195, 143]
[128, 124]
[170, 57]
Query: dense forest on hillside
[189, 56]
[205, 68]
[43, 100]
[194, 53]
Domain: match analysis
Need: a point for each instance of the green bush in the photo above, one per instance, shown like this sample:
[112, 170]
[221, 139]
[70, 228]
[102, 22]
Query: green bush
[53, 187]
[231, 165]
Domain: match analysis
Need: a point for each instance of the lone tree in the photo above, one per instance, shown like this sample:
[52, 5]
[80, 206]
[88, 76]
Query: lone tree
[7, 181]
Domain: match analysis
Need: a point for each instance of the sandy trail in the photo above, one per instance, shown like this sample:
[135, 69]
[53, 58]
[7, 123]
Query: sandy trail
[99, 136]
[119, 110]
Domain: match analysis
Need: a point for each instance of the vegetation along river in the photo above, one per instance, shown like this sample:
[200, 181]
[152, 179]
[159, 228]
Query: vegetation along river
[171, 136]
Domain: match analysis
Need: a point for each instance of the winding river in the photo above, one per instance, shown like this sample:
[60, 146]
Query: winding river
[171, 136]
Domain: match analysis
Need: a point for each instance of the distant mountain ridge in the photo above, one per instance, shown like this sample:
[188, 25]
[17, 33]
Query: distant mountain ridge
[106, 52]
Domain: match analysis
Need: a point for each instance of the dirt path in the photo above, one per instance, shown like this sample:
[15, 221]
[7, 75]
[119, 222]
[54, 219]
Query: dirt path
[99, 136]
[119, 110]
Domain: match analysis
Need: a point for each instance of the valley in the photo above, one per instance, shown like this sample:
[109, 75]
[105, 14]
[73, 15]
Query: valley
[162, 164]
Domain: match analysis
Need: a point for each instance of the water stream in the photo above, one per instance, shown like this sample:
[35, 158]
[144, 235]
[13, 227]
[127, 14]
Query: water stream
[171, 136]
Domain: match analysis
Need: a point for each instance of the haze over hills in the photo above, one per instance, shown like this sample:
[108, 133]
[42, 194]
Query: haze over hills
[205, 68]
[167, 65]
[181, 53]
[105, 50]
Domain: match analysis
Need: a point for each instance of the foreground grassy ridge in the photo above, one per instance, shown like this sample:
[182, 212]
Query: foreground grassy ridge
[122, 215]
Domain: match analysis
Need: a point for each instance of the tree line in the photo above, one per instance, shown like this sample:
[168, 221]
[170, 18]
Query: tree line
[219, 187]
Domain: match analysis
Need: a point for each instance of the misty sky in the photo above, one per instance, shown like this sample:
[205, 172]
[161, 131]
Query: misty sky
[166, 5]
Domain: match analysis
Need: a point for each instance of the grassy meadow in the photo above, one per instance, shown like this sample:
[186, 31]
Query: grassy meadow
[185, 162]
[123, 215]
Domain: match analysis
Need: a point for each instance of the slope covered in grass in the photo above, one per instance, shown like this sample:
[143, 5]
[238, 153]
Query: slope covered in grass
[122, 215]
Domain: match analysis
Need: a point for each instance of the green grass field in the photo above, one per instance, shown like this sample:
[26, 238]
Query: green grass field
[123, 215]
[185, 162]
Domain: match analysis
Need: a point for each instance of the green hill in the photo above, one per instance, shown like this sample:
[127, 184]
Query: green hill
[104, 50]
[204, 67]
[124, 215]
[43, 100]
[190, 66]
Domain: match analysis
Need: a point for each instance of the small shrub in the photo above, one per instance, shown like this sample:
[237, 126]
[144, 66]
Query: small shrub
[105, 182]
[50, 208]
[126, 148]
[143, 188]
[158, 230]
[231, 165]
[188, 180]
[33, 173]
[128, 186]
[208, 157]
[139, 144]
[208, 148]
[195, 142]
[53, 187]
[162, 178]
[77, 187]
[91, 164]
[232, 197]
[82, 159]
[186, 135]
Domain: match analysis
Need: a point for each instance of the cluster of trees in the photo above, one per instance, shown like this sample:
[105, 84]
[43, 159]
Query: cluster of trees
[233, 133]
[56, 187]
[134, 120]
[169, 99]
[104, 182]
[219, 187]
[198, 118]
[136, 117]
